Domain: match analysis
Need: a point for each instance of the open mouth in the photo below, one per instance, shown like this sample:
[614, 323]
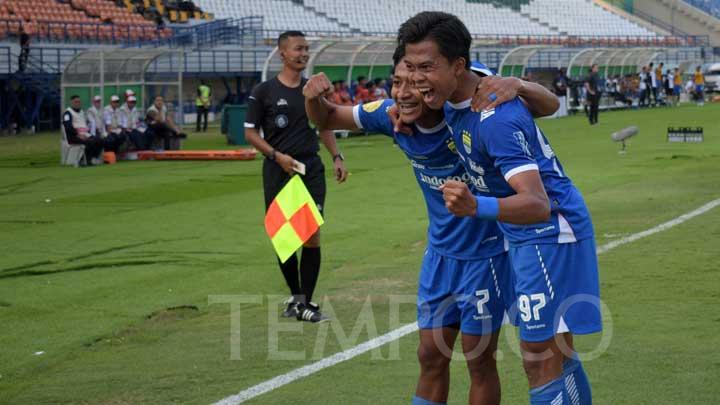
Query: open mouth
[428, 94]
[408, 108]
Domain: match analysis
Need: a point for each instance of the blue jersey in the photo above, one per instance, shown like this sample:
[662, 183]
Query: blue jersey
[495, 145]
[434, 160]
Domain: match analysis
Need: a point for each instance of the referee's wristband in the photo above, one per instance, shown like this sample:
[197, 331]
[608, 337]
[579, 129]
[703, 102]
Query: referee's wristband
[487, 208]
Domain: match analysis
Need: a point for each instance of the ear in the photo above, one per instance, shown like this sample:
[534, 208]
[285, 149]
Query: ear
[459, 66]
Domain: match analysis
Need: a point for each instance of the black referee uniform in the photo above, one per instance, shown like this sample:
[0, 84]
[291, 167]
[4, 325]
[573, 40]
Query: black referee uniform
[280, 112]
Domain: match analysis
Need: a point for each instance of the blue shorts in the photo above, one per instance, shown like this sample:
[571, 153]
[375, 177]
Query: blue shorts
[557, 289]
[699, 88]
[678, 90]
[473, 294]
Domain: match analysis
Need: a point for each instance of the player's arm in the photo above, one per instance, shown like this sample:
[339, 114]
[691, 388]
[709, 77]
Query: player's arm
[495, 90]
[324, 113]
[253, 121]
[327, 137]
[529, 205]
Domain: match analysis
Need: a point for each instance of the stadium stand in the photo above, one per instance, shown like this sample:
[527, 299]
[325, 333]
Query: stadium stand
[581, 18]
[278, 14]
[711, 7]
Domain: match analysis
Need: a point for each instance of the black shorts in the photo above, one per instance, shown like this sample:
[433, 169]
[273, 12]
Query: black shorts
[275, 178]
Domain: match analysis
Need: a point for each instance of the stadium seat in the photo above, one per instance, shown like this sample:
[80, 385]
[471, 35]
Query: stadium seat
[70, 154]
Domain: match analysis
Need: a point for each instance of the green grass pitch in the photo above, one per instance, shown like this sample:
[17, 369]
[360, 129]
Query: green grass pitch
[92, 258]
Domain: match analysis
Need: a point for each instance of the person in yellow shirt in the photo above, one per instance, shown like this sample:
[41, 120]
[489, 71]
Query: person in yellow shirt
[677, 85]
[699, 81]
[202, 103]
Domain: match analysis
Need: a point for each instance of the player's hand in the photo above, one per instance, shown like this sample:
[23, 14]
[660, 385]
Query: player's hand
[285, 162]
[458, 199]
[493, 91]
[318, 85]
[341, 173]
[398, 125]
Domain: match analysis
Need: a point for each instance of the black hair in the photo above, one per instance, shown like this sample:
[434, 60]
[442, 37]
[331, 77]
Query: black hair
[74, 96]
[288, 34]
[360, 78]
[450, 34]
[377, 81]
[398, 55]
[369, 84]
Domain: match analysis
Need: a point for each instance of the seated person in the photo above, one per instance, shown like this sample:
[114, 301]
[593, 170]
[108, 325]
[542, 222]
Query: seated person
[76, 131]
[160, 129]
[340, 96]
[113, 131]
[162, 116]
[97, 127]
[131, 125]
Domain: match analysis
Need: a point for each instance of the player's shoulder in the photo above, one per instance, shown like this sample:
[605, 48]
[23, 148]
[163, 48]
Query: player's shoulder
[509, 112]
[376, 106]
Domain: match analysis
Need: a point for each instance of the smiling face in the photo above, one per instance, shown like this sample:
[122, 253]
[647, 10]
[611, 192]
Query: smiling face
[406, 96]
[435, 77]
[295, 53]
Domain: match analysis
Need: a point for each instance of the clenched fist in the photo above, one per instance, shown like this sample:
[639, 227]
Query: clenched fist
[458, 199]
[318, 85]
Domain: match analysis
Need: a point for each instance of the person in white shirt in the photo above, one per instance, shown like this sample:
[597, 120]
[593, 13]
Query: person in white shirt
[115, 137]
[131, 125]
[95, 118]
[643, 87]
[75, 127]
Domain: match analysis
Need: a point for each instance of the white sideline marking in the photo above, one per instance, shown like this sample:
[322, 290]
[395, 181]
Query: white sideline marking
[371, 344]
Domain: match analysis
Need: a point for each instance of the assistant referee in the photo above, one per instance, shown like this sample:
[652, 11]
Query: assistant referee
[277, 106]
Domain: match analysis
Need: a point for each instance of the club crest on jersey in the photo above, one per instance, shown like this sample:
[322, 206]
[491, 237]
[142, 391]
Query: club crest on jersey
[451, 145]
[370, 107]
[282, 101]
[467, 141]
[281, 121]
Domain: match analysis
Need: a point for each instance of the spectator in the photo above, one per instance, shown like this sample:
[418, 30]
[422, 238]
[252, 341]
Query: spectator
[379, 93]
[160, 124]
[340, 95]
[111, 116]
[76, 131]
[668, 84]
[592, 86]
[358, 87]
[95, 118]
[677, 85]
[370, 94]
[652, 83]
[130, 124]
[699, 81]
[24, 49]
[560, 83]
[203, 102]
[643, 86]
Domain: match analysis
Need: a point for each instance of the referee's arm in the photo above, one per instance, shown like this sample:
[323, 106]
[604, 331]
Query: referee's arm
[253, 122]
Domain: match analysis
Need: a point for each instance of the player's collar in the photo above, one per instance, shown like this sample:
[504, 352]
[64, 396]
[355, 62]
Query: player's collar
[461, 105]
[432, 130]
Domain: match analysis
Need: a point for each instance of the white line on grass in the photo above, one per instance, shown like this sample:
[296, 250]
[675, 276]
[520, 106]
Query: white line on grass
[371, 344]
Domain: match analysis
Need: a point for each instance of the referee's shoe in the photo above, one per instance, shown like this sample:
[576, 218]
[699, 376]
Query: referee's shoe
[310, 312]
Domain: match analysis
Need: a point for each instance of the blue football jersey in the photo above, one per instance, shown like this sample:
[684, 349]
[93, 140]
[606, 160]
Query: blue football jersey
[434, 160]
[495, 145]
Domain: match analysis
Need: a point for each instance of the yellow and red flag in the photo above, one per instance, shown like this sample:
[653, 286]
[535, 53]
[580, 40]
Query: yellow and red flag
[292, 218]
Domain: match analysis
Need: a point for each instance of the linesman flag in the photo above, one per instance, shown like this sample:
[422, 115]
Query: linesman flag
[292, 218]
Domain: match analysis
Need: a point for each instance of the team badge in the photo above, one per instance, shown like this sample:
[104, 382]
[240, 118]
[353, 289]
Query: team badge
[370, 107]
[467, 141]
[281, 121]
[282, 101]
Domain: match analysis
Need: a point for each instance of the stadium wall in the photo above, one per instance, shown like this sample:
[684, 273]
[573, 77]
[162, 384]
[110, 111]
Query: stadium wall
[682, 16]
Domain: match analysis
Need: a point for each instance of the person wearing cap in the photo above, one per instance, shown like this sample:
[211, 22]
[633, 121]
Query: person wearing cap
[95, 118]
[111, 118]
[130, 124]
[75, 126]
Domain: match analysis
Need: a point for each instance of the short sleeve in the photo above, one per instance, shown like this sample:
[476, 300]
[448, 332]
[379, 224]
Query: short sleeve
[507, 142]
[255, 112]
[372, 117]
